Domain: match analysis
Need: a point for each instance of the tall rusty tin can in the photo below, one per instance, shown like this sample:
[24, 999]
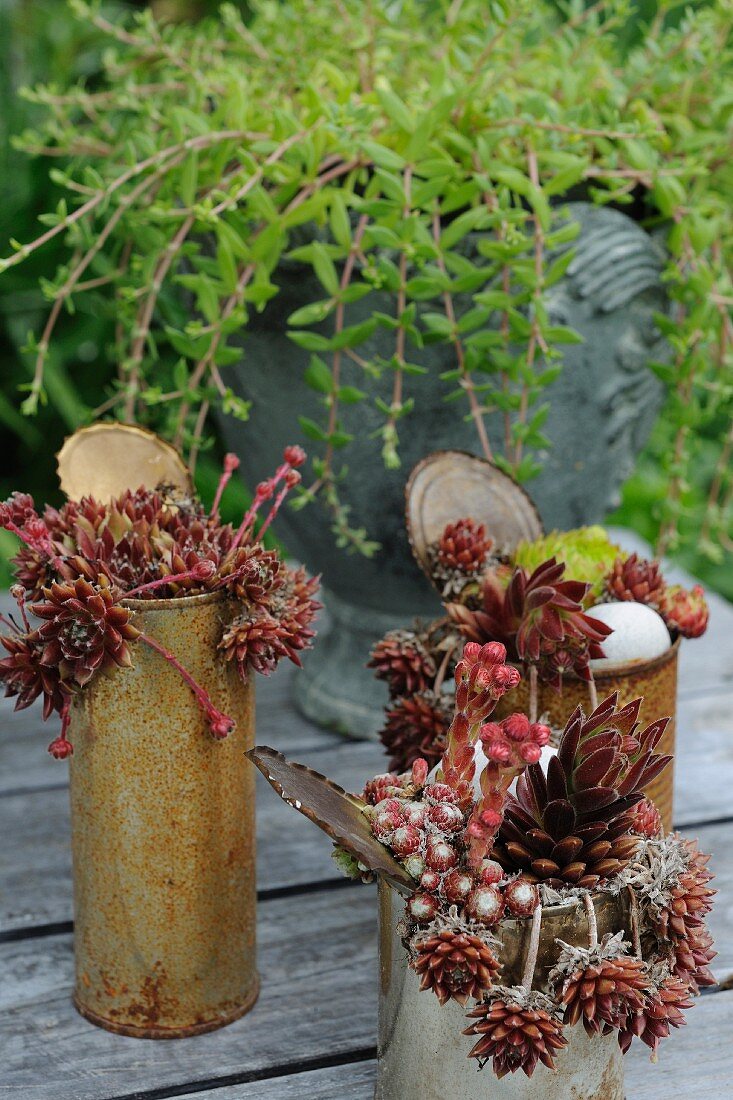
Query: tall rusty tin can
[655, 679]
[163, 835]
[423, 1054]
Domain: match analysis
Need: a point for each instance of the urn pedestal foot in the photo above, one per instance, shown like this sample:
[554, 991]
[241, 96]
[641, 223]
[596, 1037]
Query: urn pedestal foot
[335, 688]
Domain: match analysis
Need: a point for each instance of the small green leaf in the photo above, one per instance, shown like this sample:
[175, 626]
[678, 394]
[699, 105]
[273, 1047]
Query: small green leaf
[312, 313]
[562, 334]
[382, 156]
[311, 341]
[318, 376]
[325, 268]
[339, 220]
[312, 430]
[350, 395]
[394, 108]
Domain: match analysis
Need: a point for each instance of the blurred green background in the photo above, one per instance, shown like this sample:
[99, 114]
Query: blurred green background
[39, 40]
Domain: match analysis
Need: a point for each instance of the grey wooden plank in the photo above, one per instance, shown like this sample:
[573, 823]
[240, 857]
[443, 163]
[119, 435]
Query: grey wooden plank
[718, 840]
[704, 758]
[318, 965]
[318, 1002]
[344, 1082]
[694, 1062]
[24, 762]
[35, 869]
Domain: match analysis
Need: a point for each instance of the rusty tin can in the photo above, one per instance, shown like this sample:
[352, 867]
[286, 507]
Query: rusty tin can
[423, 1054]
[163, 835]
[656, 680]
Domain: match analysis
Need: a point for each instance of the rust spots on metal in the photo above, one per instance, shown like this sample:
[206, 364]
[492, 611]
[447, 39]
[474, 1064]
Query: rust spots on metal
[163, 836]
[655, 680]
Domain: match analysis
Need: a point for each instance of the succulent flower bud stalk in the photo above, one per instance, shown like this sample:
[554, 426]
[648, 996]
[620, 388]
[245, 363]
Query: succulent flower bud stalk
[220, 724]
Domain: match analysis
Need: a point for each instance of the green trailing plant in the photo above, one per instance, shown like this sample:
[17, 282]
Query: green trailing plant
[418, 152]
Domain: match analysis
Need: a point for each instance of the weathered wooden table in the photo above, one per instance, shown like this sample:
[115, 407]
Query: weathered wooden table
[312, 1033]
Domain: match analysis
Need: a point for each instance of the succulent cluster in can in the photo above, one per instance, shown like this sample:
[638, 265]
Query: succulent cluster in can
[78, 568]
[490, 834]
[537, 601]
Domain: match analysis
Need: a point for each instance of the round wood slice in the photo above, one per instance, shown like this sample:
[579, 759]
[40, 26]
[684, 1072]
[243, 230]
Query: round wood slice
[104, 460]
[446, 486]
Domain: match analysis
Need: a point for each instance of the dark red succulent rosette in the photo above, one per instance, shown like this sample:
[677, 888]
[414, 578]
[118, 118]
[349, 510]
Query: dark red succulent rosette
[80, 564]
[85, 629]
[539, 618]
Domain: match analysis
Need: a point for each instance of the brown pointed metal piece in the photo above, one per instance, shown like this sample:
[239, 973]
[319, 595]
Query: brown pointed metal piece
[340, 815]
[103, 460]
[446, 486]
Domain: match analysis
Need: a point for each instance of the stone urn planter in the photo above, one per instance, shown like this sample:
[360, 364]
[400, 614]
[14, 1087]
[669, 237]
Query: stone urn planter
[609, 295]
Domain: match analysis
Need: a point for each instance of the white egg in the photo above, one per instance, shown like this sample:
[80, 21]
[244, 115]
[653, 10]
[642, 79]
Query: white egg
[639, 633]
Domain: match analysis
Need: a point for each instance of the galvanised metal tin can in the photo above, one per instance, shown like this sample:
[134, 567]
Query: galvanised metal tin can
[655, 679]
[163, 835]
[423, 1054]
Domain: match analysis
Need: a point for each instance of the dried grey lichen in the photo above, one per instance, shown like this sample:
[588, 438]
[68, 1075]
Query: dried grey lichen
[450, 921]
[574, 958]
[655, 871]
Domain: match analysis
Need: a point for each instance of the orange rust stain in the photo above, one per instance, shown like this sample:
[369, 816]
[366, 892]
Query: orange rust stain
[163, 825]
[154, 1002]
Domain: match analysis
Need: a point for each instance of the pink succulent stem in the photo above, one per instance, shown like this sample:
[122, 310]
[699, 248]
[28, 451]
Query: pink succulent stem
[593, 693]
[159, 582]
[262, 494]
[40, 546]
[61, 748]
[65, 719]
[216, 718]
[251, 515]
[533, 693]
[18, 592]
[231, 462]
[274, 510]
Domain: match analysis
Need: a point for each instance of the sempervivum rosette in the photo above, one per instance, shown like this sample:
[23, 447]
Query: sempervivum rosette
[78, 567]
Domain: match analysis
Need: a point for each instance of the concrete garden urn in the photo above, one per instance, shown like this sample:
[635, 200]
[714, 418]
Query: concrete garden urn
[602, 408]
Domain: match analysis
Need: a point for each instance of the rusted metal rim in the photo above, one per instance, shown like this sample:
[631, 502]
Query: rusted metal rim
[174, 603]
[220, 1020]
[621, 668]
[425, 522]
